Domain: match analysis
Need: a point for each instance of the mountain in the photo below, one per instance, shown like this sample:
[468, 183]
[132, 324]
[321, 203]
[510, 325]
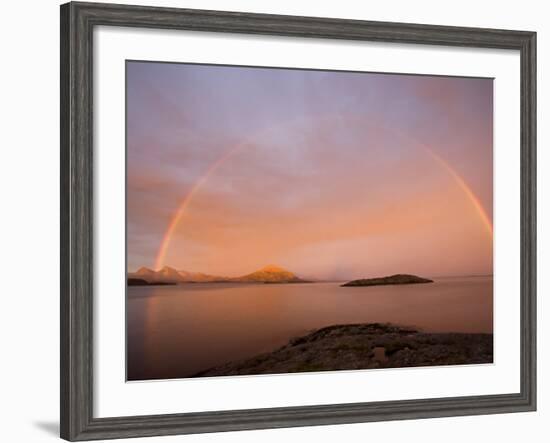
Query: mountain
[168, 274]
[199, 277]
[171, 275]
[268, 274]
[144, 274]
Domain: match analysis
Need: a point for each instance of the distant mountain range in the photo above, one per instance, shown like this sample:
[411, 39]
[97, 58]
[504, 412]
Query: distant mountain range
[268, 274]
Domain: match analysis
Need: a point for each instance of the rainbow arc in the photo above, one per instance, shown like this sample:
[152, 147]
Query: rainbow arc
[188, 198]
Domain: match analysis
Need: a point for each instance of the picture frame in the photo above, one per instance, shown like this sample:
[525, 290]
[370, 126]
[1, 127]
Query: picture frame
[78, 21]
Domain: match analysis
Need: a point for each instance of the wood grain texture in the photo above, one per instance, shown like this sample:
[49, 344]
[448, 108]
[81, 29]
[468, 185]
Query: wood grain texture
[77, 23]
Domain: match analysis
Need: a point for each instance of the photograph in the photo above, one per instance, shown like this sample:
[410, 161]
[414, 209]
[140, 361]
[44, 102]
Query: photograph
[284, 220]
[275, 221]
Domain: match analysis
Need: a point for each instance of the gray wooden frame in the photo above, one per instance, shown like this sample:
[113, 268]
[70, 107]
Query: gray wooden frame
[77, 23]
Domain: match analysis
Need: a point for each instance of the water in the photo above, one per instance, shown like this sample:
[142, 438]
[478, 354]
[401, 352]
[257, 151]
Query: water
[177, 331]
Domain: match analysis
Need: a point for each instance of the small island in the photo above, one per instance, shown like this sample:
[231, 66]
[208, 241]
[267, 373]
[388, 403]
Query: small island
[141, 282]
[397, 279]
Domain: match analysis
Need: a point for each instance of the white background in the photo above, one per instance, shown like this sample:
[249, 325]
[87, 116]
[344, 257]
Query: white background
[29, 186]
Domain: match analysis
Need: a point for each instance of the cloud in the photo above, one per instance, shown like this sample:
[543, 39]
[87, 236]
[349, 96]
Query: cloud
[331, 191]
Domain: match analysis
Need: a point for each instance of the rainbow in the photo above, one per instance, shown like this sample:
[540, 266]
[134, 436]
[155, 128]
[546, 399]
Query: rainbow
[467, 190]
[188, 198]
[174, 221]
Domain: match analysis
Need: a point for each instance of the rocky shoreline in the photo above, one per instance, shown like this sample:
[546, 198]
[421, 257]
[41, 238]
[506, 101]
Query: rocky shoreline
[364, 346]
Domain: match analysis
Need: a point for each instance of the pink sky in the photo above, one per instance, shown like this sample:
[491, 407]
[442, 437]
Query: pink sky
[332, 175]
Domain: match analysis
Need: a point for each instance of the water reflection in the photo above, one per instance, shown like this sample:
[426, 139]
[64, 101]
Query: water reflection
[176, 331]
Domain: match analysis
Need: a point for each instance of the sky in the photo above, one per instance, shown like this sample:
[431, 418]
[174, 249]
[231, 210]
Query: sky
[331, 175]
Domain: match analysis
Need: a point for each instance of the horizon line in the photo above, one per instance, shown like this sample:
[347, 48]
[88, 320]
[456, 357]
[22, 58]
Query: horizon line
[320, 280]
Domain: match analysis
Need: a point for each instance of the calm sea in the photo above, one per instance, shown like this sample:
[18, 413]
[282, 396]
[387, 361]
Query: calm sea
[177, 331]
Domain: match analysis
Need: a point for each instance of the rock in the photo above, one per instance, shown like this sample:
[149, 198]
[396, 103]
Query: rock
[397, 279]
[364, 346]
[141, 282]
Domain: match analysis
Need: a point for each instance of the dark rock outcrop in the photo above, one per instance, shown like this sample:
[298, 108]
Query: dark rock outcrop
[397, 279]
[364, 346]
[141, 282]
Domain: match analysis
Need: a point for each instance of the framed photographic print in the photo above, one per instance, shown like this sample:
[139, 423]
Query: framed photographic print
[273, 221]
